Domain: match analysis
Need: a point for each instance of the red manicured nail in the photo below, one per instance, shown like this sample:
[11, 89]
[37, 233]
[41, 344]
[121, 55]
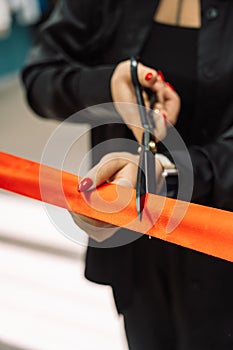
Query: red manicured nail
[170, 86]
[85, 184]
[148, 76]
[161, 75]
[165, 119]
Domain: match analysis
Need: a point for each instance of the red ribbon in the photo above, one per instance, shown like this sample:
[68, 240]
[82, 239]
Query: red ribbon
[201, 228]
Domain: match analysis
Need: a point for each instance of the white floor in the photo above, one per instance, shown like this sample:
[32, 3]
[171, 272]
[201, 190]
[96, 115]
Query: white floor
[45, 302]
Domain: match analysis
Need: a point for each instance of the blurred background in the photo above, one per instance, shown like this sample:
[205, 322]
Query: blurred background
[45, 302]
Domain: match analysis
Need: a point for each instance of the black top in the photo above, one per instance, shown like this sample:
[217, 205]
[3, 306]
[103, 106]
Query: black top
[168, 46]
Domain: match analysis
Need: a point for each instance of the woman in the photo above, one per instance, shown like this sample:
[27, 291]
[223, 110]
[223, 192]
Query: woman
[171, 297]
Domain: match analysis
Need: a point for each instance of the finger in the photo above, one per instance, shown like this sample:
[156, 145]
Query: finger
[123, 182]
[160, 124]
[97, 230]
[171, 104]
[127, 176]
[161, 76]
[100, 174]
[146, 99]
[159, 109]
[170, 86]
[159, 88]
[104, 171]
[147, 76]
[86, 223]
[168, 100]
[158, 105]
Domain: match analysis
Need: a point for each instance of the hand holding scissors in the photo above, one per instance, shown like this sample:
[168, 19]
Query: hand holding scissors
[146, 179]
[122, 90]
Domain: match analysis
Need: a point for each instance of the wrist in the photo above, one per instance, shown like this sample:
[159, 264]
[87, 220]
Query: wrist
[168, 168]
[168, 176]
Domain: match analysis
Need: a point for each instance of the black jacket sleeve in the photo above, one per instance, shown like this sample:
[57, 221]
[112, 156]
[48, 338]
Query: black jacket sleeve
[212, 171]
[58, 78]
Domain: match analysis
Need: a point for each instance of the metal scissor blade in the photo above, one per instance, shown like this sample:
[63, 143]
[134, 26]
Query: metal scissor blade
[150, 172]
[141, 186]
[146, 179]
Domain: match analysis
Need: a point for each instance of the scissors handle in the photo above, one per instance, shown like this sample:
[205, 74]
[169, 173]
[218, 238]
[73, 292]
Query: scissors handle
[146, 117]
[138, 91]
[146, 176]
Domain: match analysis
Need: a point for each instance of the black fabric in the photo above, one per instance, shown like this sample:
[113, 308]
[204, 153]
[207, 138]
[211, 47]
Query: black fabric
[173, 50]
[75, 54]
[181, 300]
[165, 47]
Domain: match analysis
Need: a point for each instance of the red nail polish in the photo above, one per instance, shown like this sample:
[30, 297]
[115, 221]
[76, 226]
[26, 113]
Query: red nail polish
[165, 119]
[85, 184]
[161, 75]
[170, 86]
[148, 76]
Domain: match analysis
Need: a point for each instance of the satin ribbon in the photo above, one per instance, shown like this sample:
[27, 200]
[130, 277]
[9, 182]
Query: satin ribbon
[204, 229]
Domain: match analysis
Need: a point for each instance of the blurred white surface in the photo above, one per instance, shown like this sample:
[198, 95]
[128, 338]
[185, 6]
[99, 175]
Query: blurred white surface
[45, 302]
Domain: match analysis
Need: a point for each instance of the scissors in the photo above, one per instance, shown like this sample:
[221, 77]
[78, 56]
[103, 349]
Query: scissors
[146, 175]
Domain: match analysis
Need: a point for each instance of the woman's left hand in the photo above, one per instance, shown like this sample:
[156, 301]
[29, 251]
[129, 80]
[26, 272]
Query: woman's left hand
[119, 168]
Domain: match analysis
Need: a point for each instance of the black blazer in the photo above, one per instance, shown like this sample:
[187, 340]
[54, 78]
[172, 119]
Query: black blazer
[70, 68]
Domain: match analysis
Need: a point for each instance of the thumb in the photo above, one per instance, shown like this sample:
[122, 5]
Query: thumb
[147, 76]
[101, 173]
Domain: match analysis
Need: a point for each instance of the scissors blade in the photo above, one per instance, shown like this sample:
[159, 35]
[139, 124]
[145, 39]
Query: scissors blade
[141, 185]
[146, 182]
[150, 172]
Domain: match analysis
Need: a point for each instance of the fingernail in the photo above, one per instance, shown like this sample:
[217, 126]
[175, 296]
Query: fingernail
[165, 119]
[148, 76]
[161, 75]
[85, 184]
[170, 86]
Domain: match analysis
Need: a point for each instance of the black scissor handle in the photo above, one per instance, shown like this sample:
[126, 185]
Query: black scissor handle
[146, 167]
[138, 90]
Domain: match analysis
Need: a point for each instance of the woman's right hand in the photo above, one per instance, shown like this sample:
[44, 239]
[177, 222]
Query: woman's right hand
[122, 89]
